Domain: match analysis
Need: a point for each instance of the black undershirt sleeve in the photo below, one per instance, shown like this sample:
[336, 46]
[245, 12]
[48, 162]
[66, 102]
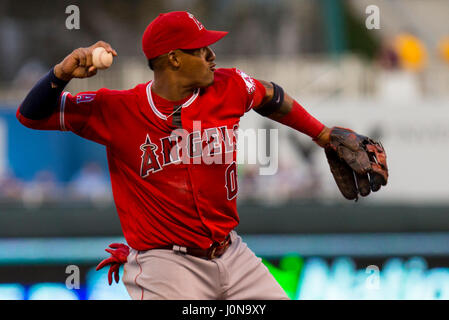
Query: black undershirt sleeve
[42, 100]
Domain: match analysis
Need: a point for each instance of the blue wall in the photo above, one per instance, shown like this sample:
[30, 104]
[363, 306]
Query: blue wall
[29, 151]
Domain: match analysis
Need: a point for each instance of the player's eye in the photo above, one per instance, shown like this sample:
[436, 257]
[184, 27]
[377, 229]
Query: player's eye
[193, 52]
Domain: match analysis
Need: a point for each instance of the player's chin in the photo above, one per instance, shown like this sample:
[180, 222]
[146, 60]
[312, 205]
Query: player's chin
[207, 81]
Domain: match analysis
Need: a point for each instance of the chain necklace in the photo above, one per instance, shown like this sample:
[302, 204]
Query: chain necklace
[179, 107]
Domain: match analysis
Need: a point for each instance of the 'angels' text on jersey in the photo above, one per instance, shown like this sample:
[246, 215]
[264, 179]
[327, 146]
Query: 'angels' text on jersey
[214, 146]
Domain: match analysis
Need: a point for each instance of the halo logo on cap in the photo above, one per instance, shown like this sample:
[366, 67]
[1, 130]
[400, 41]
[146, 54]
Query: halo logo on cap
[199, 24]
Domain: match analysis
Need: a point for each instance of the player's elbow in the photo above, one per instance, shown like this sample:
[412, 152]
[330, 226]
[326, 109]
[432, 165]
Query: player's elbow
[29, 123]
[21, 118]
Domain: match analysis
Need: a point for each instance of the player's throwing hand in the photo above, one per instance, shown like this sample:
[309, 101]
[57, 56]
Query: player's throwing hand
[79, 64]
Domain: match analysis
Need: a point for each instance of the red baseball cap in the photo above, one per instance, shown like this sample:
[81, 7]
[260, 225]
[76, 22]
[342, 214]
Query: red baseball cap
[176, 30]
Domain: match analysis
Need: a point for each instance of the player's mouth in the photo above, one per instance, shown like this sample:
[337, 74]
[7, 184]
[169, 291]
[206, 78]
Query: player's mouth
[212, 67]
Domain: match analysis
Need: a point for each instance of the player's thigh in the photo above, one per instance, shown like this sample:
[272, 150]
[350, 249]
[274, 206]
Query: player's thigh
[163, 274]
[250, 279]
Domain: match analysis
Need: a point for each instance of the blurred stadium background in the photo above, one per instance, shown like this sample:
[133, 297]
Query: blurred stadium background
[391, 83]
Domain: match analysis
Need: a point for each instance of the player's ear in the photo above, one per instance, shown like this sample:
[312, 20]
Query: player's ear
[174, 59]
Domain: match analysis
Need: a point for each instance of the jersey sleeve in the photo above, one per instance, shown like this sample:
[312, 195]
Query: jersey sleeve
[85, 114]
[252, 90]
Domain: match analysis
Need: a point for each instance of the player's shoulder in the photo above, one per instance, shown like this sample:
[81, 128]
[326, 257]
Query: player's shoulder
[126, 94]
[224, 74]
[232, 75]
[235, 76]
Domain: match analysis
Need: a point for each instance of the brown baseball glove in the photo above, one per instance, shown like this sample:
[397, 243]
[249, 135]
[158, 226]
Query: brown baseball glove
[358, 163]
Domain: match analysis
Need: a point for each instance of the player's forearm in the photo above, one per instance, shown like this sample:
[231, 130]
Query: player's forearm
[290, 113]
[42, 99]
[293, 115]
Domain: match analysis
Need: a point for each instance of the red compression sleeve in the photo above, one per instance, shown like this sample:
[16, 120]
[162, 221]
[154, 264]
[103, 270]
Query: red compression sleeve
[298, 118]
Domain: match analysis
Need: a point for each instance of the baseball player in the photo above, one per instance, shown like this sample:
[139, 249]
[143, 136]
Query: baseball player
[171, 150]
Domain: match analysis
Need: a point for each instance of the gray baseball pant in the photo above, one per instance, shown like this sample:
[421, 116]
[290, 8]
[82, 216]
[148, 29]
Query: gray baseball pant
[165, 274]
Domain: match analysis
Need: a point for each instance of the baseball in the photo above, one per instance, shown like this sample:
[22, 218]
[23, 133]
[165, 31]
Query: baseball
[101, 59]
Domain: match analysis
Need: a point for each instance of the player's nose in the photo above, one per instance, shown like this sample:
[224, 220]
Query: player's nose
[210, 54]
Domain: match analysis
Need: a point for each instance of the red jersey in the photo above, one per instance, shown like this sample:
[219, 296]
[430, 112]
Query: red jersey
[172, 164]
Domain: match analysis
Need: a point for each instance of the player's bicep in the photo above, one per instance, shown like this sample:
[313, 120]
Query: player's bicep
[75, 111]
[84, 114]
[268, 93]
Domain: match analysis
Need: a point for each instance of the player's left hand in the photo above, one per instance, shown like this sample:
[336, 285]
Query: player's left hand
[358, 163]
[119, 255]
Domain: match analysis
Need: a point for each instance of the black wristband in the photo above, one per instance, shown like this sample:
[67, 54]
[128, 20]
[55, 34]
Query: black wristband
[42, 100]
[274, 104]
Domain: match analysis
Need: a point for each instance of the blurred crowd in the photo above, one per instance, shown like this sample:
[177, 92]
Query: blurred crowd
[289, 183]
[33, 36]
[90, 184]
[407, 51]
